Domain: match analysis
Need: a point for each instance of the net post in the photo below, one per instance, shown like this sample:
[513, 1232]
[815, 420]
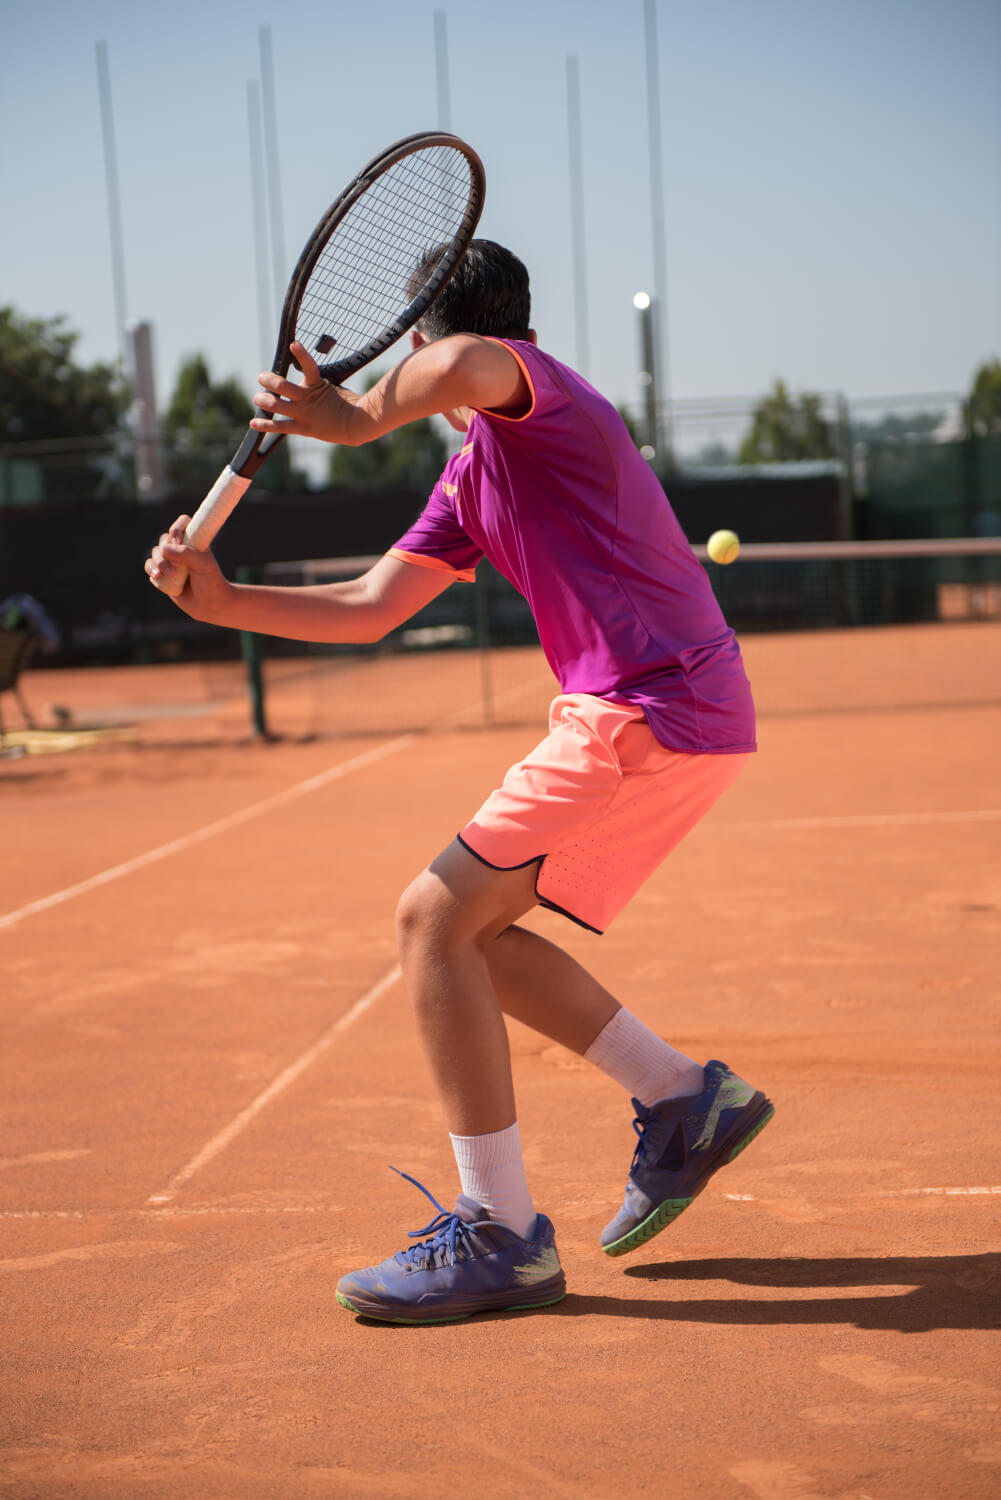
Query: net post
[483, 643]
[250, 650]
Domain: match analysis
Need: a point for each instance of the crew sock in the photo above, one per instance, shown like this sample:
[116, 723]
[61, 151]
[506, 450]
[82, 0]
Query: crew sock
[642, 1062]
[492, 1172]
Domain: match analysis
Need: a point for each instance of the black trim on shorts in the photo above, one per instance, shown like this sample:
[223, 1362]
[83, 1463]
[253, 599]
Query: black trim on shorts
[537, 859]
[551, 905]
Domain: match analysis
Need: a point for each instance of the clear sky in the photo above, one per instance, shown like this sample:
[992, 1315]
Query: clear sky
[831, 172]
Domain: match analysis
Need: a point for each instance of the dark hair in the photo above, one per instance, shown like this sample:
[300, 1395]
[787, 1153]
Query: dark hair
[487, 294]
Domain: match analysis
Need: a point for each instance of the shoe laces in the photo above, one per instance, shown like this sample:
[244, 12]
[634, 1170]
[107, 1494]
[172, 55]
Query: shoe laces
[661, 1144]
[449, 1235]
[644, 1118]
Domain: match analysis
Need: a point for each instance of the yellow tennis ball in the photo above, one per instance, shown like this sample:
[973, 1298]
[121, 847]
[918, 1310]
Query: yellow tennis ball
[724, 547]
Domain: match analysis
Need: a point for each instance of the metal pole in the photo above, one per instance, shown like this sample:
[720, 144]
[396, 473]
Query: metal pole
[648, 374]
[250, 650]
[271, 153]
[663, 396]
[265, 328]
[149, 451]
[114, 207]
[483, 642]
[577, 214]
[441, 70]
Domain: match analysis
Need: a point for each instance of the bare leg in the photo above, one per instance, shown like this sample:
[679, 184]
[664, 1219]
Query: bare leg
[542, 986]
[446, 921]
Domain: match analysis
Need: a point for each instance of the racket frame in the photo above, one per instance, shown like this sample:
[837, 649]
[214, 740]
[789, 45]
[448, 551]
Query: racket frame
[256, 447]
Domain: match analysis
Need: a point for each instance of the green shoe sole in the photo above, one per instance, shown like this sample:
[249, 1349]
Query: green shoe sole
[454, 1318]
[665, 1213]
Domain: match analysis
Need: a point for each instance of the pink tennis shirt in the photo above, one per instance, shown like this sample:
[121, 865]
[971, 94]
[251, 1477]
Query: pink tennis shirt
[560, 501]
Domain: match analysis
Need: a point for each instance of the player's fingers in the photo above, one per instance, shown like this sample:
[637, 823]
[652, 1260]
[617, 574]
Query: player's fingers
[267, 401]
[179, 528]
[196, 561]
[289, 389]
[157, 567]
[307, 364]
[268, 424]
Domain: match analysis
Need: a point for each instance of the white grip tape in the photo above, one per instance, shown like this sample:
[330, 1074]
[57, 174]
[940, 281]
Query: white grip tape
[211, 515]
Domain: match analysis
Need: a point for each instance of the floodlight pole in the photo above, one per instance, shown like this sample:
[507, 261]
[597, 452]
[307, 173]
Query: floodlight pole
[270, 111]
[441, 70]
[260, 222]
[643, 304]
[577, 214]
[657, 226]
[114, 207]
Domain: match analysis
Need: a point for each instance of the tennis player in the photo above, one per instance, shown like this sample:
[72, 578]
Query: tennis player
[654, 720]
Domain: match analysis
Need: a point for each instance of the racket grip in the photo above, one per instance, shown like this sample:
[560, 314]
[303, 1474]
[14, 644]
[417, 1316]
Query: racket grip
[211, 515]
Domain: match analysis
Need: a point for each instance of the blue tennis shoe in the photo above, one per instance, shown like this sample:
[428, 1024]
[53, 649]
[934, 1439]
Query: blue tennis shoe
[463, 1264]
[682, 1142]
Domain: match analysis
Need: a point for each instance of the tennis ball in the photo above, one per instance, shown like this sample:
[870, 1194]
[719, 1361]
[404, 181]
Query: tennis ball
[724, 546]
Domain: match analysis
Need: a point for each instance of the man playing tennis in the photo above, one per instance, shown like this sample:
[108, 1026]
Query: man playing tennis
[653, 722]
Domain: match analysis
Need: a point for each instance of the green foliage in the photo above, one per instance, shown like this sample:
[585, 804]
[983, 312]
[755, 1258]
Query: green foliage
[982, 409]
[630, 423]
[202, 408]
[784, 429]
[44, 394]
[410, 457]
[204, 421]
[898, 429]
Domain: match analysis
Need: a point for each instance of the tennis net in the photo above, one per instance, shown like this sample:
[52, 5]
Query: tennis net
[825, 627]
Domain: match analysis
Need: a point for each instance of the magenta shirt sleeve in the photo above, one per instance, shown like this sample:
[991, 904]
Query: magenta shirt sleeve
[437, 539]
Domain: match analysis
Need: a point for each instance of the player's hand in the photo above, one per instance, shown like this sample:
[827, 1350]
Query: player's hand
[314, 408]
[206, 592]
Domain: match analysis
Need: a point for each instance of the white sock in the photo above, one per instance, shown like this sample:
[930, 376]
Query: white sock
[492, 1173]
[643, 1063]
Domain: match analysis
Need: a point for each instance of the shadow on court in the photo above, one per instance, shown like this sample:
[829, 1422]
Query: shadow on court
[942, 1291]
[937, 1291]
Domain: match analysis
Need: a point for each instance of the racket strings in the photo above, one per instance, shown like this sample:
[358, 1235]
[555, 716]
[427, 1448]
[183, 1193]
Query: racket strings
[357, 290]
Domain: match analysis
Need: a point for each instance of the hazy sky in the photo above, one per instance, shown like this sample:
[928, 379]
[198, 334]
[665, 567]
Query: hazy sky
[832, 172]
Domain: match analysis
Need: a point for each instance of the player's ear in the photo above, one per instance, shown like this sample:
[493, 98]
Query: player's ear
[417, 339]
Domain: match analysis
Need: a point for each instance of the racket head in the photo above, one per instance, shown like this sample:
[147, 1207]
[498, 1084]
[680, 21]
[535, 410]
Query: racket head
[348, 293]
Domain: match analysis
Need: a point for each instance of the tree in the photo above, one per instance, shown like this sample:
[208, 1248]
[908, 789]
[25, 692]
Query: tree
[982, 409]
[894, 428]
[201, 409]
[205, 421]
[44, 394]
[783, 429]
[411, 456]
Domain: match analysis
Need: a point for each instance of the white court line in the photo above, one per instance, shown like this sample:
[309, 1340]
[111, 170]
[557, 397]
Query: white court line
[233, 820]
[223, 1209]
[211, 1210]
[229, 1133]
[917, 1192]
[863, 820]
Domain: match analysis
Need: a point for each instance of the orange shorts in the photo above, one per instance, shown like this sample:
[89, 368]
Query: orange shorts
[599, 804]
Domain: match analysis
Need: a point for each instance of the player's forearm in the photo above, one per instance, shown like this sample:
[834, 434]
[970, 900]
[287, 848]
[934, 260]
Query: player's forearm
[437, 378]
[444, 376]
[328, 613]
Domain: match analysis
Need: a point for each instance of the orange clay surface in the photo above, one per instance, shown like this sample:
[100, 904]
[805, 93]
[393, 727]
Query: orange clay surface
[197, 1112]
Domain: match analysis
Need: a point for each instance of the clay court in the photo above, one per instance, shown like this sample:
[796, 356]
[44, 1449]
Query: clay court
[209, 1064]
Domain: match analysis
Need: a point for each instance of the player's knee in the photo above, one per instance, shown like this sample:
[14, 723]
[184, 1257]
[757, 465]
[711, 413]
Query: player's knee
[430, 916]
[418, 915]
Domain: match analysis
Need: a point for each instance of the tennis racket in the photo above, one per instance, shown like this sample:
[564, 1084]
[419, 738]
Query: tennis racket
[347, 293]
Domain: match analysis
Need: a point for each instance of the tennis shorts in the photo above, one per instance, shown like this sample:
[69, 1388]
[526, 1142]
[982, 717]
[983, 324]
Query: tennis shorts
[598, 804]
